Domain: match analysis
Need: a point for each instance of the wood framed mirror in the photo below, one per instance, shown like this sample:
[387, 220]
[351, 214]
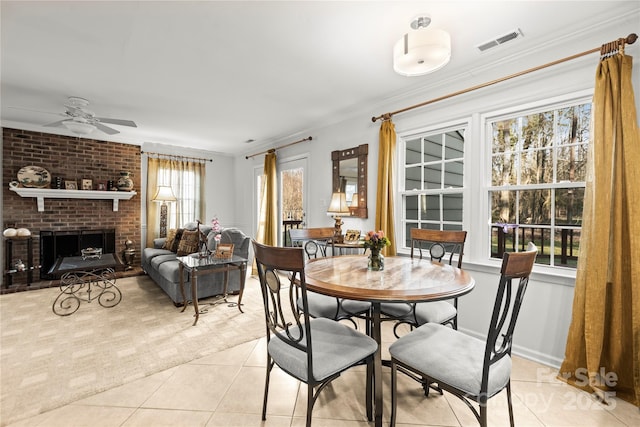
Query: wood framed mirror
[350, 177]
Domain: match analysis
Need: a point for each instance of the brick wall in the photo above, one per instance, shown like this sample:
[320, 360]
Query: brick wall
[71, 158]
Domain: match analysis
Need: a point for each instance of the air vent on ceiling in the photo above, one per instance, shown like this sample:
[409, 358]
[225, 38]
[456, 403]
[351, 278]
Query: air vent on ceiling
[512, 35]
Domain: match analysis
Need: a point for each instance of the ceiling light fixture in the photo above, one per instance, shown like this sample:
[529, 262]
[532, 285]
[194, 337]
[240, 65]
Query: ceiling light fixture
[422, 50]
[79, 125]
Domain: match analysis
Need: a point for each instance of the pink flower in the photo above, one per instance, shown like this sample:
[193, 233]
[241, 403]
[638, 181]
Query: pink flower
[376, 240]
[216, 228]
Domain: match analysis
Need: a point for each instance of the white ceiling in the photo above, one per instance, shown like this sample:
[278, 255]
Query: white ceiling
[212, 74]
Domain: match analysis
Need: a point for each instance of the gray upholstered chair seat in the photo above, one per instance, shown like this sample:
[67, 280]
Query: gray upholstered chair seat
[314, 351]
[335, 348]
[471, 369]
[426, 312]
[326, 306]
[451, 357]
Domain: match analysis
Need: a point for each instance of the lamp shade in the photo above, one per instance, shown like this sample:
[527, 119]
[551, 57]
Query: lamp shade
[338, 205]
[354, 200]
[164, 194]
[79, 127]
[421, 52]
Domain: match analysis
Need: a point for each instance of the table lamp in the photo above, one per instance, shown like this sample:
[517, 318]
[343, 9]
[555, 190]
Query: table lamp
[164, 195]
[353, 207]
[337, 208]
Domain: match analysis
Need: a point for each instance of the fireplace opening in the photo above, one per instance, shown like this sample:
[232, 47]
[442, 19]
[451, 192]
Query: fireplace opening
[56, 244]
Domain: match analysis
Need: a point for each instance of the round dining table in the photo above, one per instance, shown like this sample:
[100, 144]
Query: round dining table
[403, 279]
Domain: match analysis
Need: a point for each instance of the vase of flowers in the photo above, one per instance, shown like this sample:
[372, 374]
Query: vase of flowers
[216, 228]
[375, 241]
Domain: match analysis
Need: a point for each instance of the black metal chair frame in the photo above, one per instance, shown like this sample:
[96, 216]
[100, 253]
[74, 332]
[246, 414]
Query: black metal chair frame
[272, 264]
[314, 246]
[441, 245]
[438, 249]
[515, 265]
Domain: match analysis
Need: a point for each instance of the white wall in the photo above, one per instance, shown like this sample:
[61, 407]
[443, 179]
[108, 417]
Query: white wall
[220, 193]
[546, 314]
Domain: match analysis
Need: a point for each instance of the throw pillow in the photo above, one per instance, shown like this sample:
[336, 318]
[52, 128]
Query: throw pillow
[171, 236]
[176, 241]
[188, 242]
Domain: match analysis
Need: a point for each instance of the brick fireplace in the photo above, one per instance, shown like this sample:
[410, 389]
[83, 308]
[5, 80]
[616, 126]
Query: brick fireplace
[71, 158]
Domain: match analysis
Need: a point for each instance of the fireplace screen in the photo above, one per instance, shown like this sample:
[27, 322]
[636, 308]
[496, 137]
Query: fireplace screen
[55, 244]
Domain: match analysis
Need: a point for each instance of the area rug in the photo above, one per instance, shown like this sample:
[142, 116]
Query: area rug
[48, 361]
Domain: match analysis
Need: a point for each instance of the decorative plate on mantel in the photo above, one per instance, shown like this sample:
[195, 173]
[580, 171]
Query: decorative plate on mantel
[34, 177]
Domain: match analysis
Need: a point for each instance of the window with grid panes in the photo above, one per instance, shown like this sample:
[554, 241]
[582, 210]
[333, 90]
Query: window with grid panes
[433, 181]
[538, 169]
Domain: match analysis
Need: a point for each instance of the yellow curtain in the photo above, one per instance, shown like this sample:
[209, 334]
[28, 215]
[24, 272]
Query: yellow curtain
[268, 221]
[179, 174]
[384, 194]
[267, 218]
[153, 208]
[603, 345]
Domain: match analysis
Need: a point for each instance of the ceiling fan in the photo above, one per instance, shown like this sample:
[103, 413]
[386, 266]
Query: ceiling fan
[82, 121]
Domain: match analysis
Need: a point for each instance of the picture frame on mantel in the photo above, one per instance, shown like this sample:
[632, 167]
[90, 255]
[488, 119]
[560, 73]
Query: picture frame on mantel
[87, 184]
[70, 185]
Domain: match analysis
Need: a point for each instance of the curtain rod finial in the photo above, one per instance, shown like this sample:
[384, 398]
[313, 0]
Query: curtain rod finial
[631, 38]
[384, 117]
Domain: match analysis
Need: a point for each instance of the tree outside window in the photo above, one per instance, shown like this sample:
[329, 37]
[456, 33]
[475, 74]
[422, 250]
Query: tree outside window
[538, 169]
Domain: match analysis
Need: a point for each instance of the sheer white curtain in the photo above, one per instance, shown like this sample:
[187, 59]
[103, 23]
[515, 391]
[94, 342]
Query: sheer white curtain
[186, 178]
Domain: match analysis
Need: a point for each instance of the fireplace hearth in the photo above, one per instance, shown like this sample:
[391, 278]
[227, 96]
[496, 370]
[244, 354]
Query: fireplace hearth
[55, 244]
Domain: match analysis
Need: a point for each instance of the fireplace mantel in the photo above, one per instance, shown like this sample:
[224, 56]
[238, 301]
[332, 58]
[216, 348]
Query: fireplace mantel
[46, 193]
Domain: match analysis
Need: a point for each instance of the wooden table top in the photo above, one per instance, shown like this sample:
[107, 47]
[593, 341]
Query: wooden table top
[403, 279]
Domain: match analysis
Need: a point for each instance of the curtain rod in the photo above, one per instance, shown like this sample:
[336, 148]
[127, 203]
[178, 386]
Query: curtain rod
[271, 150]
[630, 39]
[175, 156]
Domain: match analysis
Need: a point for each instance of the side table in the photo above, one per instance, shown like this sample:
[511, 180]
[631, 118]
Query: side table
[197, 266]
[10, 269]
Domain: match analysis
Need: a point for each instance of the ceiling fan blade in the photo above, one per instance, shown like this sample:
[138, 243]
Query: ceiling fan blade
[117, 122]
[55, 124]
[105, 129]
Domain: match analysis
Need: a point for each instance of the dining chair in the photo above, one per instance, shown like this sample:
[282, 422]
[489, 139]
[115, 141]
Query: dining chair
[441, 245]
[315, 242]
[467, 367]
[322, 236]
[314, 351]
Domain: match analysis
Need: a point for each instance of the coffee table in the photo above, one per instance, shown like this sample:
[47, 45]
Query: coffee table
[197, 265]
[79, 275]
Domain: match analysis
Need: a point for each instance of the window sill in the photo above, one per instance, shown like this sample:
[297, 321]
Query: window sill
[542, 273]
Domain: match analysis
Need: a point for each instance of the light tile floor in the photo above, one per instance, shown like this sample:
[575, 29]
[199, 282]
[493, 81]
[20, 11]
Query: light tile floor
[226, 389]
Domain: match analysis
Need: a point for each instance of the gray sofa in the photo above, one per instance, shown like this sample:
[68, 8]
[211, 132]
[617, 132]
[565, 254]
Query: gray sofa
[162, 266]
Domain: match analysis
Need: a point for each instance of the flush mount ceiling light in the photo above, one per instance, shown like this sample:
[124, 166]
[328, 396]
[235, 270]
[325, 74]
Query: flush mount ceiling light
[79, 125]
[422, 50]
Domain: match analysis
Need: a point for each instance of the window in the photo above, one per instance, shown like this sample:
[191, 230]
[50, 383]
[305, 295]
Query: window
[538, 169]
[433, 181]
[185, 183]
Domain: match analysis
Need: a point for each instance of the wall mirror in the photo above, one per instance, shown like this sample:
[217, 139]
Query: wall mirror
[350, 177]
